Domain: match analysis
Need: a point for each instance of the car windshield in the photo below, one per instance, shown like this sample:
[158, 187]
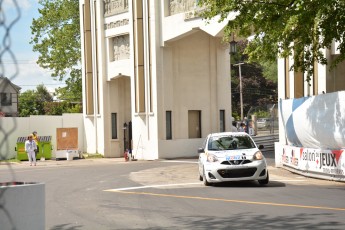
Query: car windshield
[230, 143]
[262, 119]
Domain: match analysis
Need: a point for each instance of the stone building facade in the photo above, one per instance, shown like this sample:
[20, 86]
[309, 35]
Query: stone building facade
[156, 77]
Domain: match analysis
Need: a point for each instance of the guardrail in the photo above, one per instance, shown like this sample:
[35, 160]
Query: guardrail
[267, 141]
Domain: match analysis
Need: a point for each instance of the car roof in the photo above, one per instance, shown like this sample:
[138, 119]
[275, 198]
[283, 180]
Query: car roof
[228, 134]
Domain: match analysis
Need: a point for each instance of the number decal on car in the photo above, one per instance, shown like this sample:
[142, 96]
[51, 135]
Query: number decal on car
[231, 158]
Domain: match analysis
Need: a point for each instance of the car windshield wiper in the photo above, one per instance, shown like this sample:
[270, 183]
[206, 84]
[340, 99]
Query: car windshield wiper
[221, 144]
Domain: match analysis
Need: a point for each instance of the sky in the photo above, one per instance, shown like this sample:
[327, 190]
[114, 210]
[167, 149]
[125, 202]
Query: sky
[26, 73]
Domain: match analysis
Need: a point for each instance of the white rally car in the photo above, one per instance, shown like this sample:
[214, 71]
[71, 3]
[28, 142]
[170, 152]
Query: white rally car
[231, 156]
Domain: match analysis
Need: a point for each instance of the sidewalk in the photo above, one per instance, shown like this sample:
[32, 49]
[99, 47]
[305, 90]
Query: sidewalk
[64, 162]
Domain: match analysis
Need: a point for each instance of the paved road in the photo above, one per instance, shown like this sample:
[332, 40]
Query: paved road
[113, 194]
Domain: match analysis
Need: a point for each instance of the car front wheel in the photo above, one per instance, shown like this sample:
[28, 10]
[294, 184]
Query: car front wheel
[204, 179]
[264, 181]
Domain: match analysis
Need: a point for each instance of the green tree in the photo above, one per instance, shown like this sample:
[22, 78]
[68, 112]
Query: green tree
[56, 37]
[269, 70]
[58, 108]
[73, 90]
[257, 90]
[43, 94]
[31, 102]
[296, 27]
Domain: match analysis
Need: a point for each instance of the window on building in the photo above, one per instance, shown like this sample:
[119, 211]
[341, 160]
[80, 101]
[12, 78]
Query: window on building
[6, 99]
[113, 126]
[222, 120]
[168, 125]
[194, 124]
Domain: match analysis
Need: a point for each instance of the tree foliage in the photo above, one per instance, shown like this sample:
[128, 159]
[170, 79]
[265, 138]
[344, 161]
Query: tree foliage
[73, 90]
[41, 102]
[56, 37]
[31, 102]
[58, 108]
[257, 90]
[293, 27]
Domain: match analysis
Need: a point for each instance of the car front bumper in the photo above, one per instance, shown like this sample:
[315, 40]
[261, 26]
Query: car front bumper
[217, 172]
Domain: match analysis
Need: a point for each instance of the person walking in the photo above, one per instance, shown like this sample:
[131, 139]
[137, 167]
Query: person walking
[30, 148]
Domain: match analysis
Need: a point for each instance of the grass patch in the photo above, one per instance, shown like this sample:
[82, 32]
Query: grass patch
[92, 156]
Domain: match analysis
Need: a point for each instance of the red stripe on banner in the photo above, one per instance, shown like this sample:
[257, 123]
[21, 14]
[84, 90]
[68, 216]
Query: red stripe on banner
[337, 153]
[300, 153]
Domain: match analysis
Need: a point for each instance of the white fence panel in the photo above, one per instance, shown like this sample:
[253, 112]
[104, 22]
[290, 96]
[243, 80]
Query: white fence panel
[13, 127]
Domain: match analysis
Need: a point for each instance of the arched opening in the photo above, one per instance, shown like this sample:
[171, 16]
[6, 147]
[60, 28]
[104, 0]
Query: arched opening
[120, 109]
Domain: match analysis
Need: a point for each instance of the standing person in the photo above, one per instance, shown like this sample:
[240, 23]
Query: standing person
[246, 125]
[30, 147]
[242, 127]
[234, 128]
[251, 129]
[234, 125]
[35, 138]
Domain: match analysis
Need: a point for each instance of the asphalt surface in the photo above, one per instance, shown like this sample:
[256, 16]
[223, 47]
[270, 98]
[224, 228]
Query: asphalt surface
[186, 172]
[110, 193]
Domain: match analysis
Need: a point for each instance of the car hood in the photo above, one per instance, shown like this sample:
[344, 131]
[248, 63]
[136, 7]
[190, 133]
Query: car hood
[238, 152]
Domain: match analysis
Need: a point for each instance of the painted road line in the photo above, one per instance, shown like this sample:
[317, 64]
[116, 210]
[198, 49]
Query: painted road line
[182, 185]
[151, 186]
[230, 201]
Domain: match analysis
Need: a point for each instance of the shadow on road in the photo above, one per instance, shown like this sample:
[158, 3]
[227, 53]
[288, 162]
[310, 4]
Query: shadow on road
[67, 227]
[249, 184]
[256, 221]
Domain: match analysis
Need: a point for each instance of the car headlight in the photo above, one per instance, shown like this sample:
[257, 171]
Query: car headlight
[258, 156]
[212, 158]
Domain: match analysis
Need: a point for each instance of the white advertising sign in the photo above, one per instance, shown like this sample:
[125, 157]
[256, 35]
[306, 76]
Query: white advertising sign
[330, 162]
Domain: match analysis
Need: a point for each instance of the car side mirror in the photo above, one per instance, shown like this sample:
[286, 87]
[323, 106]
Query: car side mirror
[261, 146]
[201, 150]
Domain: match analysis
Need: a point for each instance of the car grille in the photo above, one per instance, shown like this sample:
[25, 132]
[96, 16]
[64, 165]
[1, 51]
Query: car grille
[236, 162]
[236, 173]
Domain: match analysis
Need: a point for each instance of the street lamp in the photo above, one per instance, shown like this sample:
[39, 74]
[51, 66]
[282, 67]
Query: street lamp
[233, 46]
[233, 50]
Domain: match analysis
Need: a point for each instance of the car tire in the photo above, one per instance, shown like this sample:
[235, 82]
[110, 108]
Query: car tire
[264, 181]
[204, 179]
[201, 178]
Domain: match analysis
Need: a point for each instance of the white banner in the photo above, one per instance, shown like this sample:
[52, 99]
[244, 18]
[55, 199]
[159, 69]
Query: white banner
[315, 122]
[330, 162]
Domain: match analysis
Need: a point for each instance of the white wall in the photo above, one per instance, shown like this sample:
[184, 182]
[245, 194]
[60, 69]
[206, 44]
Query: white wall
[14, 127]
[179, 148]
[23, 206]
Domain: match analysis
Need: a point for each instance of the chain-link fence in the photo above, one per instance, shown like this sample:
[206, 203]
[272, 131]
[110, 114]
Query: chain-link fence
[9, 15]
